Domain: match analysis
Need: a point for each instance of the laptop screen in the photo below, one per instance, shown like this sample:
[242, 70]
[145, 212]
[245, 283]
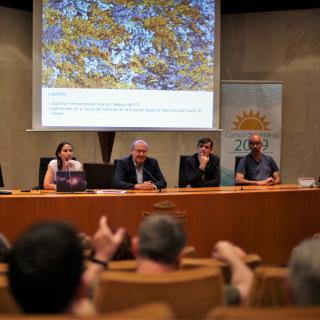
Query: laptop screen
[71, 181]
[99, 175]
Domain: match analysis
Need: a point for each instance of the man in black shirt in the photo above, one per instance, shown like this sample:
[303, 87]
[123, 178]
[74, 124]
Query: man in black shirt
[203, 168]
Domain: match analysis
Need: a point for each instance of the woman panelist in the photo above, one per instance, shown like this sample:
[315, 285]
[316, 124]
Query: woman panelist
[64, 162]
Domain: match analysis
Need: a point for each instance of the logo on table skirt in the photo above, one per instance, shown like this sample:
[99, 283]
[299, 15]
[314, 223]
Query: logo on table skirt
[251, 121]
[165, 208]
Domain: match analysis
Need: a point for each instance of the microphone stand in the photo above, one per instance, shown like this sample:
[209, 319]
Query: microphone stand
[151, 176]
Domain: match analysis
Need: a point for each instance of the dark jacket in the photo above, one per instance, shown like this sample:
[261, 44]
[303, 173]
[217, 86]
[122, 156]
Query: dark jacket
[125, 176]
[208, 178]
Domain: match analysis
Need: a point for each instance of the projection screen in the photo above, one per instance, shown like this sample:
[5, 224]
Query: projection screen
[126, 65]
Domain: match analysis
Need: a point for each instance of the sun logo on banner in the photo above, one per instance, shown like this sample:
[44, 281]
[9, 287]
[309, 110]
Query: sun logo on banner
[250, 121]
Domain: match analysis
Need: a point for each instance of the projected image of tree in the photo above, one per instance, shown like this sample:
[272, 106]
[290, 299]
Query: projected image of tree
[123, 44]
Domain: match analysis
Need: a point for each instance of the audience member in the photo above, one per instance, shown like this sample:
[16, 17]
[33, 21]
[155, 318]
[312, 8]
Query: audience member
[203, 168]
[241, 275]
[257, 168]
[123, 252]
[159, 246]
[138, 171]
[46, 267]
[304, 273]
[63, 161]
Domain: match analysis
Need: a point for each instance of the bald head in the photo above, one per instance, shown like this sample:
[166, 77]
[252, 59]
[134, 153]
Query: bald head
[255, 138]
[134, 144]
[255, 145]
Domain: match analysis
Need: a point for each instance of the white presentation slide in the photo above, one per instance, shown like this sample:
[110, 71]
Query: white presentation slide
[126, 108]
[127, 64]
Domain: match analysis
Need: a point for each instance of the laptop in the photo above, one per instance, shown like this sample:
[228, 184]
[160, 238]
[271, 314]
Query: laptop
[99, 175]
[71, 181]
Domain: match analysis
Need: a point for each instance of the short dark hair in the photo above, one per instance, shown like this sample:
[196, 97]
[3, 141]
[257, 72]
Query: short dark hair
[45, 268]
[124, 251]
[205, 140]
[161, 239]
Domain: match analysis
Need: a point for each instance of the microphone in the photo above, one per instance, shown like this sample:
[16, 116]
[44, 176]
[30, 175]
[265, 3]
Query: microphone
[151, 176]
[68, 169]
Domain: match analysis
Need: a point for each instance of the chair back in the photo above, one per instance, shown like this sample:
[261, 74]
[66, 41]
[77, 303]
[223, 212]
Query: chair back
[236, 162]
[123, 265]
[149, 311]
[190, 293]
[3, 268]
[7, 302]
[189, 252]
[1, 178]
[269, 288]
[182, 172]
[43, 166]
[99, 175]
[251, 260]
[286, 313]
[156, 310]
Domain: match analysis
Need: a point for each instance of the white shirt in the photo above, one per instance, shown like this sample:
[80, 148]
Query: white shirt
[74, 166]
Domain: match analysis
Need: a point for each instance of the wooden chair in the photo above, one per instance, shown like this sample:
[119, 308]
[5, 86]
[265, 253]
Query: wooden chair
[189, 252]
[155, 310]
[7, 303]
[151, 311]
[287, 313]
[202, 262]
[269, 288]
[122, 265]
[3, 268]
[251, 260]
[190, 293]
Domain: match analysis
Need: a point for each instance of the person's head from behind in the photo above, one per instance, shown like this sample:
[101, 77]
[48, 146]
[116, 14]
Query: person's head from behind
[161, 240]
[64, 152]
[204, 147]
[124, 251]
[45, 268]
[304, 273]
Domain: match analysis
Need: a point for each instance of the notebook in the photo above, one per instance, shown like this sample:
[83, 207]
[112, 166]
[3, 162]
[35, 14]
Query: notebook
[71, 181]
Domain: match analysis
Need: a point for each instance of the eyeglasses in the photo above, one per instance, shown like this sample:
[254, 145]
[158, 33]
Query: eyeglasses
[140, 151]
[254, 143]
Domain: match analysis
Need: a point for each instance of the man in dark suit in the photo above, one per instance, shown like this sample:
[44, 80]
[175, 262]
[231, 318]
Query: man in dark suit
[203, 168]
[138, 171]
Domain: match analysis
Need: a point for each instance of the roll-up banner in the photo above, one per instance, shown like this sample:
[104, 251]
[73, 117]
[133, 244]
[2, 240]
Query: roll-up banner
[249, 107]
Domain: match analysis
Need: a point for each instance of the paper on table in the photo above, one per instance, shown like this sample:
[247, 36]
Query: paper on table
[111, 191]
